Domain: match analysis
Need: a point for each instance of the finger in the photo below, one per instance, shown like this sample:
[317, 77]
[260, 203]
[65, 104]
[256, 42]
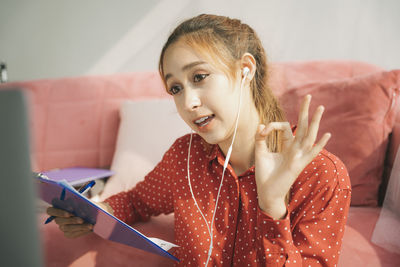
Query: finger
[260, 135]
[280, 126]
[260, 144]
[286, 133]
[302, 125]
[320, 145]
[311, 136]
[58, 212]
[71, 220]
[76, 227]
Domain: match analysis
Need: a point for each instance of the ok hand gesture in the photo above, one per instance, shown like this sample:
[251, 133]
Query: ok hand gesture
[276, 172]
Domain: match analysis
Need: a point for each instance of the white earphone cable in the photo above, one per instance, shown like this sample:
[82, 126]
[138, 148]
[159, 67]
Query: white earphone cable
[190, 185]
[228, 155]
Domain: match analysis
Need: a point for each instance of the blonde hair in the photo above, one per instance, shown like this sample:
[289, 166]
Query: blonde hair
[224, 41]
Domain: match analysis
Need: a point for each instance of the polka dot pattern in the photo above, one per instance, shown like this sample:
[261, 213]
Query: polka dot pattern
[244, 235]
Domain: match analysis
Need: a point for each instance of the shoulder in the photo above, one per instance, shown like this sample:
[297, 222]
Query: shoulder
[326, 175]
[339, 170]
[328, 168]
[182, 143]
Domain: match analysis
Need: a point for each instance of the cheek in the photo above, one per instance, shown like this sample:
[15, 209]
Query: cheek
[180, 109]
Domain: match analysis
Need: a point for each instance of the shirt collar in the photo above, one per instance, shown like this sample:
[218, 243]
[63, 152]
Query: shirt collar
[214, 152]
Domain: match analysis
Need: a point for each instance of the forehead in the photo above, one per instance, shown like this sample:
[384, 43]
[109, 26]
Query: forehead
[178, 55]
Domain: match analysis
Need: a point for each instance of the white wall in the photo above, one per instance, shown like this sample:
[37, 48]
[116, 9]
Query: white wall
[44, 38]
[54, 38]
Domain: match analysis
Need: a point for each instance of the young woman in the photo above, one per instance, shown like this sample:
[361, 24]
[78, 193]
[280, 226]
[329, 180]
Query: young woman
[245, 187]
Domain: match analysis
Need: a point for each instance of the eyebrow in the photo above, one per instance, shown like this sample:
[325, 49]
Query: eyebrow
[186, 67]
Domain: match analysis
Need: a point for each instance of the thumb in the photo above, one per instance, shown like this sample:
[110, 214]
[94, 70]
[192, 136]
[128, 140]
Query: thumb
[260, 138]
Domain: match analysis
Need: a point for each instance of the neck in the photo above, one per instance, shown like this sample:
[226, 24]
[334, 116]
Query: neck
[242, 157]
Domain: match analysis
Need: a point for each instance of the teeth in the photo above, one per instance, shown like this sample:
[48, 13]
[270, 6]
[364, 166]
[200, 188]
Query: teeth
[201, 120]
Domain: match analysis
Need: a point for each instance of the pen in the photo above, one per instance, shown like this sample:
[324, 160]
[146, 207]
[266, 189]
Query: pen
[83, 189]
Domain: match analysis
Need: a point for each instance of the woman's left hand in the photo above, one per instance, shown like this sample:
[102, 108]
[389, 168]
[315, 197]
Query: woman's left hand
[276, 172]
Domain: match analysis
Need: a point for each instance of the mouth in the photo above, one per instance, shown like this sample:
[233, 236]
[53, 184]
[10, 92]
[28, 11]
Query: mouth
[203, 121]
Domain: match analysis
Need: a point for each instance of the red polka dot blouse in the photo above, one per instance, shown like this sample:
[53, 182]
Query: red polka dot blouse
[310, 234]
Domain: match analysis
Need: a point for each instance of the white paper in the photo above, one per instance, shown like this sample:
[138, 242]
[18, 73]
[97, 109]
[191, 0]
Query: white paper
[162, 243]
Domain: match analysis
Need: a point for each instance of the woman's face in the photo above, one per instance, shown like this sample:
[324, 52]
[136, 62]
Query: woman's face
[204, 96]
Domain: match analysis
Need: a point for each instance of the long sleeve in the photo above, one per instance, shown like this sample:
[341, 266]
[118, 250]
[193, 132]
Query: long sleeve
[150, 197]
[311, 233]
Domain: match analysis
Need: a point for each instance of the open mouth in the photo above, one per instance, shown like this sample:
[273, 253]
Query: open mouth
[203, 121]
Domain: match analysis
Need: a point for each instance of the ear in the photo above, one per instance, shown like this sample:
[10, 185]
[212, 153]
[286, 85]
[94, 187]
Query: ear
[248, 61]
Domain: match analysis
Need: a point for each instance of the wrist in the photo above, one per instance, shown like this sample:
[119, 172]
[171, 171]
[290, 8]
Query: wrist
[105, 206]
[275, 209]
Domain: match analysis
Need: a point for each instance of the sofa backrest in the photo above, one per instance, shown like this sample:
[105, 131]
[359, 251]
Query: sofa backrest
[75, 120]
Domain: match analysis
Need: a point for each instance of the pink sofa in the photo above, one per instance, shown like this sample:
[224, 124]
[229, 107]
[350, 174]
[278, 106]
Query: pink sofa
[75, 121]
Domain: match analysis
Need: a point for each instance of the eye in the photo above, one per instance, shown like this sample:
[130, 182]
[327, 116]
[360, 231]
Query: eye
[175, 89]
[199, 77]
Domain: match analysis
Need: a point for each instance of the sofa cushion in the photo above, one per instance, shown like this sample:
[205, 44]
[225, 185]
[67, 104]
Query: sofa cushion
[286, 75]
[93, 251]
[360, 114]
[147, 129]
[357, 248]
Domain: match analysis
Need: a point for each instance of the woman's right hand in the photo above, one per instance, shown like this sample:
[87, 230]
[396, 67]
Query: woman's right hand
[71, 225]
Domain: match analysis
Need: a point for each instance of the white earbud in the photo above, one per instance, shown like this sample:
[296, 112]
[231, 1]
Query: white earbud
[246, 71]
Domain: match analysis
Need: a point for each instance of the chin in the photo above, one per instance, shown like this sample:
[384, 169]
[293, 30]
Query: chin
[212, 138]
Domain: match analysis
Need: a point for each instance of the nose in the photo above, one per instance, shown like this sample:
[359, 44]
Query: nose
[192, 100]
